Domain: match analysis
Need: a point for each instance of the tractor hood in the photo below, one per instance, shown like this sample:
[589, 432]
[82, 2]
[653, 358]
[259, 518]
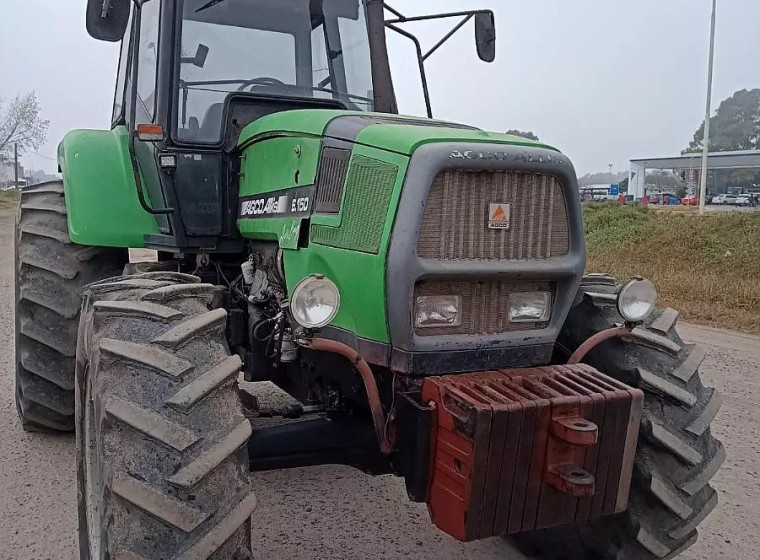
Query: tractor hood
[394, 133]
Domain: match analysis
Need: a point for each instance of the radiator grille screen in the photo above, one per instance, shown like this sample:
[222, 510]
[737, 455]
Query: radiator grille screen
[485, 305]
[365, 207]
[332, 176]
[456, 221]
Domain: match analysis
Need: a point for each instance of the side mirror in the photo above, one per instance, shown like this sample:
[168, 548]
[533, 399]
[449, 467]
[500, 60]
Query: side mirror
[200, 57]
[107, 20]
[485, 35]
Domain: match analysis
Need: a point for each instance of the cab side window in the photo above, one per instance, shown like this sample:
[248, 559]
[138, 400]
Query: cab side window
[147, 64]
[121, 77]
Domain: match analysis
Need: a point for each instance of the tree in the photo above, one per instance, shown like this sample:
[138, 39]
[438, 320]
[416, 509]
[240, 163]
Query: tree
[523, 134]
[662, 179]
[624, 186]
[735, 126]
[21, 124]
[602, 178]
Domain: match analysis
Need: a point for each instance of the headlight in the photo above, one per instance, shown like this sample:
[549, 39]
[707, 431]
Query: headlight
[438, 311]
[636, 300]
[315, 302]
[530, 307]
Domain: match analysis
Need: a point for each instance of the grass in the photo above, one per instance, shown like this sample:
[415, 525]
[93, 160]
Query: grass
[706, 267]
[8, 199]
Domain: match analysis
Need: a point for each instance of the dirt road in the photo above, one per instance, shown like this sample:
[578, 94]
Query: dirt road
[338, 513]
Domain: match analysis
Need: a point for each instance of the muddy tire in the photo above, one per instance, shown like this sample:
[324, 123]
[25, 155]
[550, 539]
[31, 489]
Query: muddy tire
[676, 456]
[51, 272]
[162, 460]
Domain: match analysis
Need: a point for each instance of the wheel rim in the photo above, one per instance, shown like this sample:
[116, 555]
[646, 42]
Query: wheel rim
[92, 502]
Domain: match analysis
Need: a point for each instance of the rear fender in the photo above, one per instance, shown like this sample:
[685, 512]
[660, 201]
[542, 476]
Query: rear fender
[101, 196]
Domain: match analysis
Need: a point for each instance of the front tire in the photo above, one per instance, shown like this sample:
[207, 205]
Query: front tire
[51, 272]
[676, 455]
[162, 456]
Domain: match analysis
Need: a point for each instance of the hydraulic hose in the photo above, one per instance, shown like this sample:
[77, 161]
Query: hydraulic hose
[373, 396]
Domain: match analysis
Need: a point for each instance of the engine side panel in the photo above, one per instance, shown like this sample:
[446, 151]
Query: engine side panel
[101, 196]
[349, 245]
[276, 172]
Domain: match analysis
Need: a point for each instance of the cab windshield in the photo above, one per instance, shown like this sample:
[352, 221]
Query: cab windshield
[295, 48]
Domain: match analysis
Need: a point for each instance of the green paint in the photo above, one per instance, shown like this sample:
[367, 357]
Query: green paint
[366, 199]
[283, 230]
[279, 163]
[360, 277]
[407, 139]
[393, 137]
[101, 196]
[275, 164]
[350, 248]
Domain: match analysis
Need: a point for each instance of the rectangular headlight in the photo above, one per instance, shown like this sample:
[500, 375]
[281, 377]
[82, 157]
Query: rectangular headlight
[438, 311]
[530, 307]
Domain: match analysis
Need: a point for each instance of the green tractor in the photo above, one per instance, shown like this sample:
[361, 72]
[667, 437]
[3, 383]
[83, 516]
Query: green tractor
[259, 208]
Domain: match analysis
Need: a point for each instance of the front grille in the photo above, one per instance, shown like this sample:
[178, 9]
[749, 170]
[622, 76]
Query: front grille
[455, 223]
[485, 305]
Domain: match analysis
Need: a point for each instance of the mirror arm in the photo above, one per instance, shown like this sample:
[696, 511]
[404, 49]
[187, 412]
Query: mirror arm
[403, 19]
[106, 8]
[396, 13]
[448, 36]
[423, 75]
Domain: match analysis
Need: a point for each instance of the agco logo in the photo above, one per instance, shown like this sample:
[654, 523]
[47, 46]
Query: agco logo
[504, 156]
[472, 154]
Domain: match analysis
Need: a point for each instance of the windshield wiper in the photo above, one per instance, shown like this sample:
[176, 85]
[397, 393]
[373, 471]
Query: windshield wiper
[349, 96]
[208, 5]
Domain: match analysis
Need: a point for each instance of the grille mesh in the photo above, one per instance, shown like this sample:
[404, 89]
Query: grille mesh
[455, 224]
[485, 305]
[332, 176]
[365, 207]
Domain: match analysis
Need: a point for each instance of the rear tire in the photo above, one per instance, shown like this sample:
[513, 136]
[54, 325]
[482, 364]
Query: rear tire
[676, 455]
[162, 457]
[51, 272]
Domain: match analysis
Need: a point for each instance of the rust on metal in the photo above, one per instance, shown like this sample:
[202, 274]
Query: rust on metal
[370, 385]
[596, 340]
[525, 449]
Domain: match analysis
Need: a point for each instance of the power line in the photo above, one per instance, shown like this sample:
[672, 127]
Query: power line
[44, 157]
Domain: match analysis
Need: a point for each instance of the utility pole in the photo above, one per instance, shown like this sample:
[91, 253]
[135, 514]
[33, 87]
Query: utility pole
[15, 166]
[708, 113]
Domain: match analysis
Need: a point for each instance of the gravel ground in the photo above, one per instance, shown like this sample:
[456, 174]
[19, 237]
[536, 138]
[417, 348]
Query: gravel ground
[338, 513]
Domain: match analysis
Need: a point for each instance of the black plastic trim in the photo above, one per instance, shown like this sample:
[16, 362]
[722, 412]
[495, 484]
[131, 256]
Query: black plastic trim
[439, 362]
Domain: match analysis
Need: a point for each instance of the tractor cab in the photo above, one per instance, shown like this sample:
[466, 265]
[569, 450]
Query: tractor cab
[194, 73]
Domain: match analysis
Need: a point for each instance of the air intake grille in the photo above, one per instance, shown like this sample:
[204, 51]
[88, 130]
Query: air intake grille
[332, 176]
[455, 224]
[485, 305]
[365, 208]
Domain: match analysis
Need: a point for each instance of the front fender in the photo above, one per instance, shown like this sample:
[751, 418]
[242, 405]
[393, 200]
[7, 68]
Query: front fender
[101, 196]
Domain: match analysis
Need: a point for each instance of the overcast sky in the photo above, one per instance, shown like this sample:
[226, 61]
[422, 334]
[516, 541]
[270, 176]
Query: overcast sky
[603, 80]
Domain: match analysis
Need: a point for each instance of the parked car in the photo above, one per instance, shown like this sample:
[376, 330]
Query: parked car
[746, 200]
[690, 201]
[724, 199]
